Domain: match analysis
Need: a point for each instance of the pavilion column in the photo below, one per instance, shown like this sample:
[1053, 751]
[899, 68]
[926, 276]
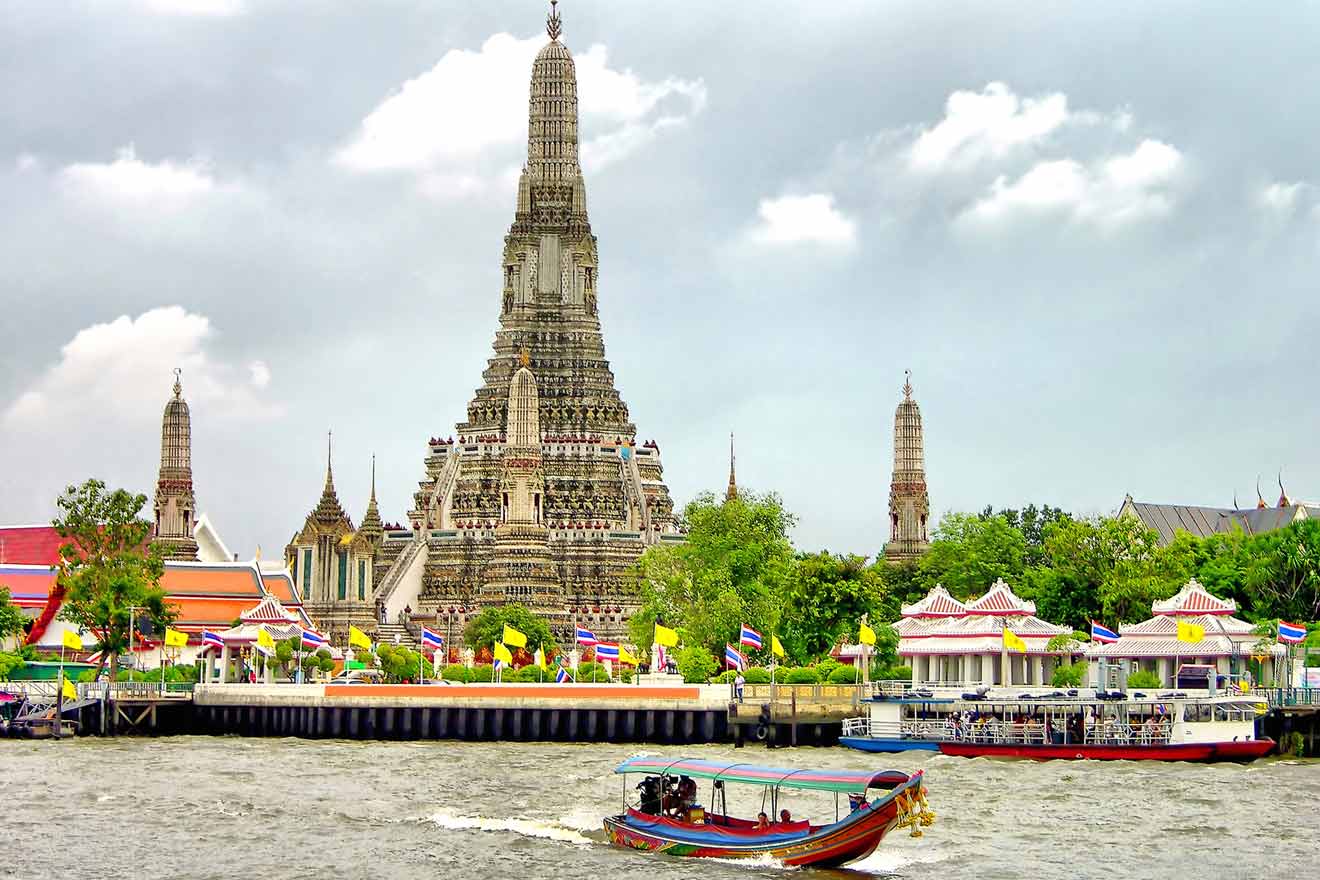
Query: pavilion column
[224, 664]
[1166, 669]
[1038, 670]
[988, 670]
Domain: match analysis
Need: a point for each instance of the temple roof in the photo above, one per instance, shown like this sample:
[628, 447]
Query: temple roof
[1000, 600]
[1194, 599]
[1169, 519]
[937, 603]
[268, 610]
[30, 545]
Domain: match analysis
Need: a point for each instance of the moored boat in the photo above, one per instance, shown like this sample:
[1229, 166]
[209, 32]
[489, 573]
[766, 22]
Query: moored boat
[1166, 727]
[668, 819]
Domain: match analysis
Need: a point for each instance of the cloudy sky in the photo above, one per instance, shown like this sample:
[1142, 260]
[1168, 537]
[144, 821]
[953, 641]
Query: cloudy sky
[1090, 231]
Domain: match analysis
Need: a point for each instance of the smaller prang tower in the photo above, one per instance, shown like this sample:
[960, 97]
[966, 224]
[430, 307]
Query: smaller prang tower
[909, 505]
[175, 505]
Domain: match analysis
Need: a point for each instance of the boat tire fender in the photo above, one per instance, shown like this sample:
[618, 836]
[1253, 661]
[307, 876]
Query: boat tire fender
[761, 732]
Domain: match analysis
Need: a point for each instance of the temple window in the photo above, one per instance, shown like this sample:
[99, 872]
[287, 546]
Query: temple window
[362, 579]
[343, 575]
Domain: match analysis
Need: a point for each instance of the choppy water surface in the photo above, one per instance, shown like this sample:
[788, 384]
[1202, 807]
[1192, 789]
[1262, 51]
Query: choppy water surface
[227, 807]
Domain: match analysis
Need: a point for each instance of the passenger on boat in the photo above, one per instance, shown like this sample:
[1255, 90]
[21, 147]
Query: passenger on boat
[856, 801]
[762, 822]
[785, 817]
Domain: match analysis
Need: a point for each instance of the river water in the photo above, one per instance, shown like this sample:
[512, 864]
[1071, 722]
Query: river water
[229, 807]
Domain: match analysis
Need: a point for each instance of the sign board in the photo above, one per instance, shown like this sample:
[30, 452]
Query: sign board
[355, 664]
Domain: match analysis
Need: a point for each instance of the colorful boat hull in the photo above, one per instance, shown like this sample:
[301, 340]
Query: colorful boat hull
[848, 840]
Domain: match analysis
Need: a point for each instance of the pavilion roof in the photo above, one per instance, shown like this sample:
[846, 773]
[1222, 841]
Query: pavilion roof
[1194, 599]
[936, 603]
[1000, 600]
[269, 610]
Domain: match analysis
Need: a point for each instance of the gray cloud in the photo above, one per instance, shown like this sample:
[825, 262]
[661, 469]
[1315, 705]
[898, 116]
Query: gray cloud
[1056, 359]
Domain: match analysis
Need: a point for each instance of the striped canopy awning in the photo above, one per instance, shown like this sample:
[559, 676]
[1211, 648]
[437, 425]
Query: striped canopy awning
[779, 777]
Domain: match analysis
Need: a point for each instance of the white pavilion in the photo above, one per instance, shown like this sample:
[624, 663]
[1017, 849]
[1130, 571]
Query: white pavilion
[952, 644]
[1153, 645]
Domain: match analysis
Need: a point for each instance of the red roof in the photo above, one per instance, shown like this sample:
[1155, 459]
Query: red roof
[1000, 601]
[30, 545]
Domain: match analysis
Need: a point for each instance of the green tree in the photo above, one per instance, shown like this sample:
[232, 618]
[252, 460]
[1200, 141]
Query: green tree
[399, 662]
[731, 570]
[695, 663]
[968, 553]
[12, 620]
[107, 566]
[826, 597]
[1068, 675]
[1283, 572]
[1032, 522]
[487, 628]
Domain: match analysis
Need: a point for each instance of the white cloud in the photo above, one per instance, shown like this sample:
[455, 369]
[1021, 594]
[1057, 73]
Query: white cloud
[1280, 198]
[121, 372]
[217, 8]
[1109, 193]
[989, 123]
[129, 181]
[803, 219]
[260, 374]
[470, 112]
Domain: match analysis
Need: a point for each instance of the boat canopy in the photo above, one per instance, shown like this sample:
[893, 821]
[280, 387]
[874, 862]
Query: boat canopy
[779, 777]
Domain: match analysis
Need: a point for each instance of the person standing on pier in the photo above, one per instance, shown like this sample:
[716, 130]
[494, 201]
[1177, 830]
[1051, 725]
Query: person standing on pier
[738, 683]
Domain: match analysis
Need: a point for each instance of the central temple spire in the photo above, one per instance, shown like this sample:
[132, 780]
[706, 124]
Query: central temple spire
[909, 505]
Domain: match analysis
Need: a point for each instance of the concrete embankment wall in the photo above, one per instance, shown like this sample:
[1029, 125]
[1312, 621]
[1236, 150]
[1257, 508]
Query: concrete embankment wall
[568, 712]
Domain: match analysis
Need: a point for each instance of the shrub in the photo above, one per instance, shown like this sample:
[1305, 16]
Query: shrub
[757, 675]
[626, 675]
[1071, 675]
[725, 677]
[455, 672]
[696, 664]
[897, 672]
[843, 675]
[531, 674]
[825, 668]
[591, 671]
[800, 675]
[8, 663]
[1144, 679]
[481, 673]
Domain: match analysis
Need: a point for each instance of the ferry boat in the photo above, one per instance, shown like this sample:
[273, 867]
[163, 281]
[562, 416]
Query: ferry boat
[1063, 725]
[661, 813]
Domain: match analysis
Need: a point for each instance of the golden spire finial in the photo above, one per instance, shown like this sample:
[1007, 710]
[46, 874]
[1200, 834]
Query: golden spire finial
[553, 26]
[907, 384]
[178, 383]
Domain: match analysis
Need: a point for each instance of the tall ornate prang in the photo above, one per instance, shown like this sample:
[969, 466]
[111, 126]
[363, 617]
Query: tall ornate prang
[732, 492]
[333, 563]
[175, 505]
[909, 505]
[601, 498]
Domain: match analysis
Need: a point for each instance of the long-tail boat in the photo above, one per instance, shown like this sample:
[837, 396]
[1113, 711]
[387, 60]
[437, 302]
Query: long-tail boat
[661, 813]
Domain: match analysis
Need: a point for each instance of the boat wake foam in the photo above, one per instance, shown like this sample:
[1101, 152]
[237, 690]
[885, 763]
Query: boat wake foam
[544, 830]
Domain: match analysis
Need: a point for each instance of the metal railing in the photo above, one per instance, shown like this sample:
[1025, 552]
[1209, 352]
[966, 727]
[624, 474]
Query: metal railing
[1277, 697]
[1013, 733]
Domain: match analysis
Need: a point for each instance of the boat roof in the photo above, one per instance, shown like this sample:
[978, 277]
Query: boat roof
[779, 777]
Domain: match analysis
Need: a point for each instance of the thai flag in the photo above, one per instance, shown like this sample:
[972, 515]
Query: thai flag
[1291, 633]
[310, 639]
[586, 637]
[211, 639]
[497, 664]
[749, 637]
[563, 675]
[432, 640]
[607, 651]
[734, 658]
[1102, 634]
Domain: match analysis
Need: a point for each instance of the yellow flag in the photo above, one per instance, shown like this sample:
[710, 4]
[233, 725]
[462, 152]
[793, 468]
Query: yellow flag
[72, 640]
[263, 638]
[358, 639]
[70, 692]
[175, 639]
[666, 636]
[866, 635]
[1190, 632]
[513, 637]
[502, 654]
[1013, 642]
[539, 658]
[625, 657]
[776, 648]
